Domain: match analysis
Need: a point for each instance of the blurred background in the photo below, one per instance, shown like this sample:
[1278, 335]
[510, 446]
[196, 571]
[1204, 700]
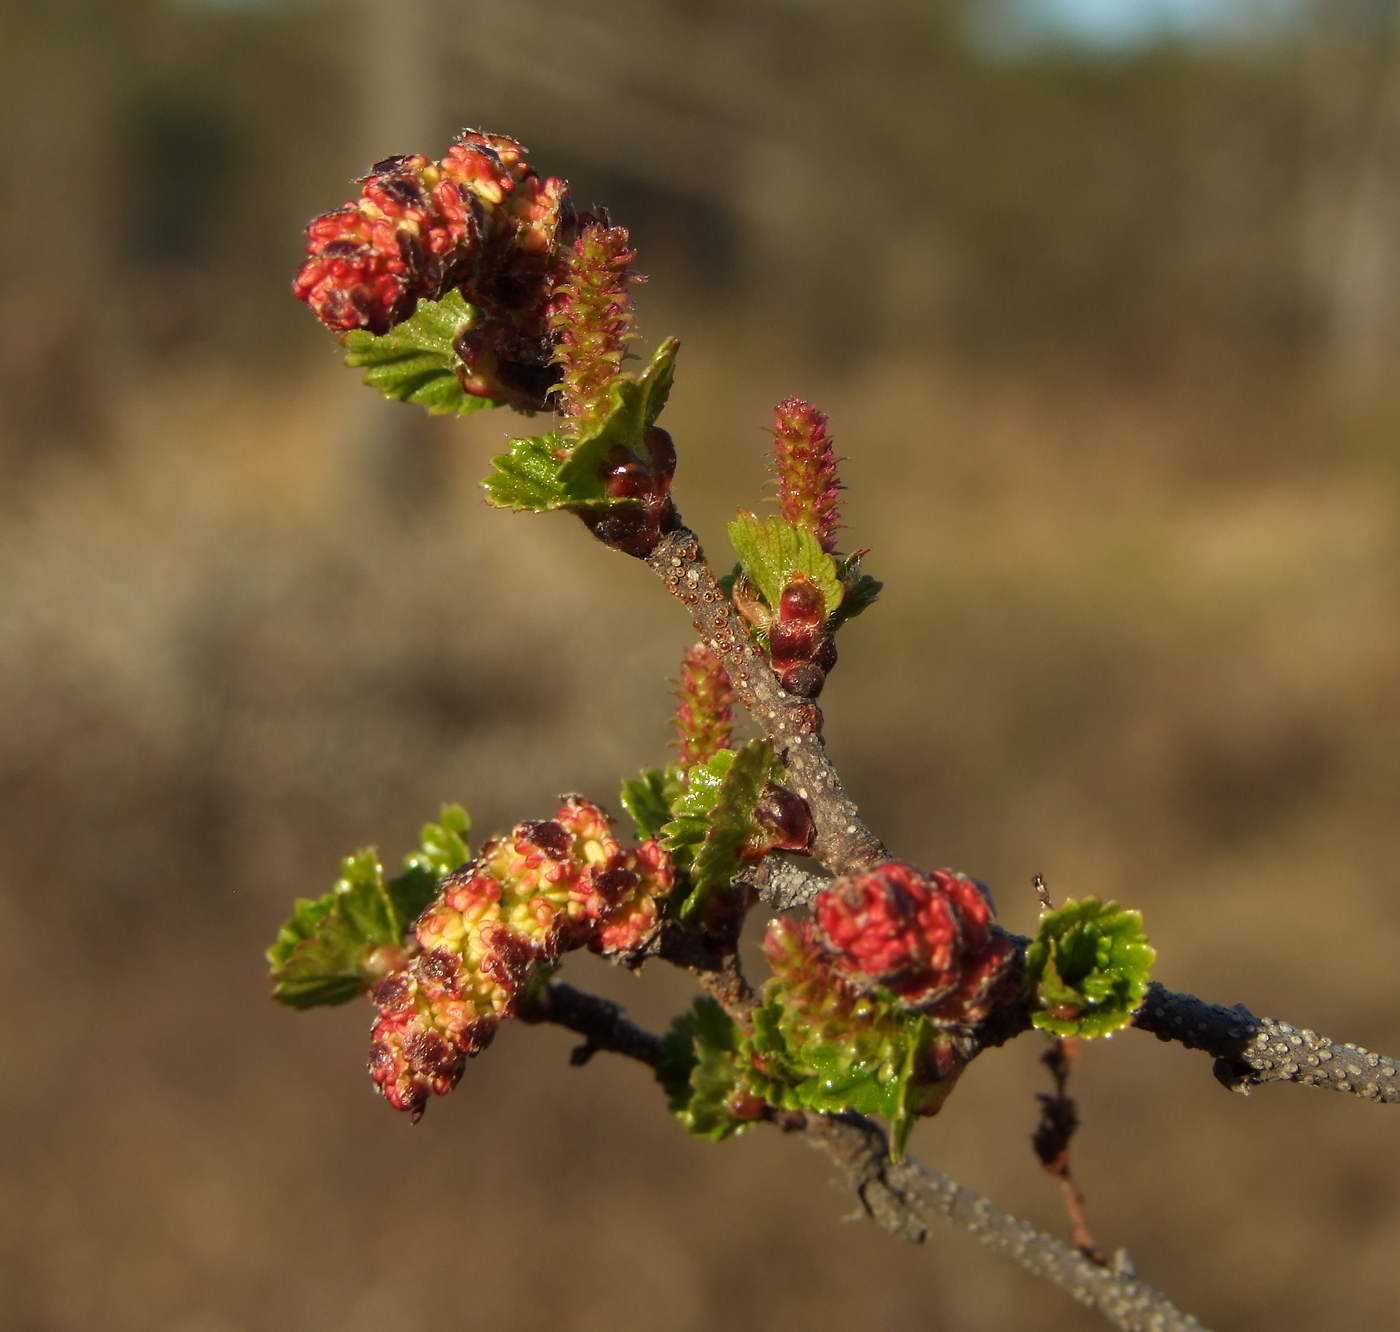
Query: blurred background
[1103, 300]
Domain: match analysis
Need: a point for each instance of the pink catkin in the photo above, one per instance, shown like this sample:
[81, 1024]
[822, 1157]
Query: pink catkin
[705, 707]
[592, 322]
[804, 464]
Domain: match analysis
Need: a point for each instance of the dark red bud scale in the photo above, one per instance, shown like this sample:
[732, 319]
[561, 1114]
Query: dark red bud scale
[802, 600]
[632, 531]
[792, 641]
[785, 814]
[661, 451]
[806, 679]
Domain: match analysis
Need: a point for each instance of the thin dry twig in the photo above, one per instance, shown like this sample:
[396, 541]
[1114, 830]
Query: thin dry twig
[898, 1197]
[1059, 1118]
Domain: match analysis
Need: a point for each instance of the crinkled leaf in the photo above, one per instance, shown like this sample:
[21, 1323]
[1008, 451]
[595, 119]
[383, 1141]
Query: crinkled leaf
[701, 1069]
[443, 849]
[647, 798]
[656, 380]
[732, 825]
[861, 592]
[443, 845]
[306, 917]
[809, 1072]
[691, 808]
[411, 891]
[546, 472]
[528, 476]
[713, 824]
[772, 551]
[1087, 970]
[320, 955]
[872, 1066]
[636, 402]
[792, 1061]
[416, 361]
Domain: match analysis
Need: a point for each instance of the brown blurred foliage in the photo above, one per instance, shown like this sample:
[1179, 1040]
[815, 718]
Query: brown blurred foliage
[1110, 346]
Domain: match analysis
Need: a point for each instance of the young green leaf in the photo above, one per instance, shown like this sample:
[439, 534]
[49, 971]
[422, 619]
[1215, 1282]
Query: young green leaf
[713, 824]
[772, 551]
[443, 849]
[691, 808]
[443, 845]
[416, 361]
[702, 1071]
[861, 591]
[1087, 970]
[547, 472]
[647, 798]
[733, 828]
[322, 954]
[527, 477]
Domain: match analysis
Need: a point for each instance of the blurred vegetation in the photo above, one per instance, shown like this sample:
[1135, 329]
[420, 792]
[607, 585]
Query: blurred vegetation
[1111, 343]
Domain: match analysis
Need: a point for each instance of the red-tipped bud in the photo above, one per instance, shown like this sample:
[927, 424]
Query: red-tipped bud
[804, 463]
[704, 708]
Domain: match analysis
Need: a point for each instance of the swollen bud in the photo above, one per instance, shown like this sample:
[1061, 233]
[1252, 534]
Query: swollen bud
[784, 814]
[661, 451]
